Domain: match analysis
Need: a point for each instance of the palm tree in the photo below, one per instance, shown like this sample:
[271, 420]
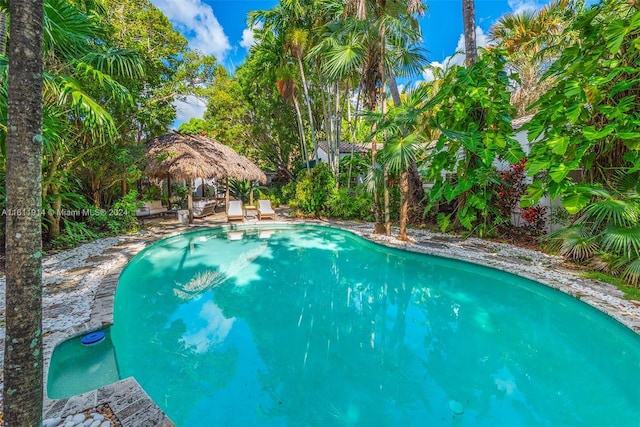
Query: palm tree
[400, 127]
[376, 40]
[23, 383]
[288, 22]
[533, 40]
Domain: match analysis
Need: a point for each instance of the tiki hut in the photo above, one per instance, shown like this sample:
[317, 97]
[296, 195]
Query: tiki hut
[181, 156]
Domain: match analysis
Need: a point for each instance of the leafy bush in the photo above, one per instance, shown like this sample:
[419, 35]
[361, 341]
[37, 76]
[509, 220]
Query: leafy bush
[351, 203]
[119, 219]
[75, 233]
[288, 192]
[271, 194]
[313, 190]
[510, 189]
[473, 114]
[240, 189]
[535, 217]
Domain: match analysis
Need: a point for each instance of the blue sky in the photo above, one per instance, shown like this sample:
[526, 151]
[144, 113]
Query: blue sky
[218, 27]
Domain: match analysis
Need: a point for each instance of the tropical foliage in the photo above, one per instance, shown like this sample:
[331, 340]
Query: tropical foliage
[473, 113]
[323, 72]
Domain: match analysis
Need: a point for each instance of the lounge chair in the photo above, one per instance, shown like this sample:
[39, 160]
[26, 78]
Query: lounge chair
[235, 210]
[265, 210]
[202, 208]
[150, 209]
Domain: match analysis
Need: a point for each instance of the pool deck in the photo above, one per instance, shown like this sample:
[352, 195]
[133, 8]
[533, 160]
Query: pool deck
[79, 289]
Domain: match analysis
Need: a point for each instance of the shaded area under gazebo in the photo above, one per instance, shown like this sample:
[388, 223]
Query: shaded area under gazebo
[187, 157]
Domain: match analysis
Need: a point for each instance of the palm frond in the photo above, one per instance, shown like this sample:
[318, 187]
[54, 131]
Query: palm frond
[374, 179]
[116, 62]
[67, 30]
[573, 242]
[624, 241]
[67, 91]
[344, 59]
[612, 211]
[631, 272]
[399, 153]
[109, 85]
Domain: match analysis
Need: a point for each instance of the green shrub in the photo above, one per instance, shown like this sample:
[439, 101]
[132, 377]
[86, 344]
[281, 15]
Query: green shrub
[314, 189]
[288, 192]
[75, 233]
[265, 193]
[118, 219]
[351, 203]
[240, 189]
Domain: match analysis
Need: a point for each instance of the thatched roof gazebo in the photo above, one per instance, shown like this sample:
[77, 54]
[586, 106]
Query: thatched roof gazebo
[188, 157]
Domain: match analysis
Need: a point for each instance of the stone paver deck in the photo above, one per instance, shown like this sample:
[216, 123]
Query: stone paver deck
[80, 284]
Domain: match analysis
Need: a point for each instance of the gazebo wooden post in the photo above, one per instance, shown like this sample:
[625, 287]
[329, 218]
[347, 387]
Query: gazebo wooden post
[251, 192]
[169, 195]
[226, 196]
[190, 201]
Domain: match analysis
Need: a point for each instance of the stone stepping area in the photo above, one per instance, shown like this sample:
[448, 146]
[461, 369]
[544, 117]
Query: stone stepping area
[80, 284]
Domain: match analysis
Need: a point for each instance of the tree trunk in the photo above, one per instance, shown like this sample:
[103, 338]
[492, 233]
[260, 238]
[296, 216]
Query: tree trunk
[23, 386]
[303, 141]
[310, 112]
[393, 88]
[95, 191]
[387, 209]
[169, 195]
[3, 34]
[190, 201]
[54, 215]
[416, 192]
[404, 205]
[469, 20]
[337, 119]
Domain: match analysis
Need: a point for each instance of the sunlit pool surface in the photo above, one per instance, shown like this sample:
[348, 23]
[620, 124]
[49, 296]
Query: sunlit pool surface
[315, 326]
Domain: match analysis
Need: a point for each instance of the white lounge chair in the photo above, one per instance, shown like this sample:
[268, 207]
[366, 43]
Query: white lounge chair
[235, 210]
[265, 210]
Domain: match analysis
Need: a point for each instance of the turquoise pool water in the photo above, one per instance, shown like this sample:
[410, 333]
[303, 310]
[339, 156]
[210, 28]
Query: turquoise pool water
[316, 326]
[77, 368]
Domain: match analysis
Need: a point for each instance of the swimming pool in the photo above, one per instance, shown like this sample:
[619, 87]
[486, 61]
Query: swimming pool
[306, 325]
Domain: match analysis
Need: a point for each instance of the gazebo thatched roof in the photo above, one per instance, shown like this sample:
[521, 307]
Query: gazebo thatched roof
[195, 156]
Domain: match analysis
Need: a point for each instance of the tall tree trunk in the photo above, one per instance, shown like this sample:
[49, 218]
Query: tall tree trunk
[190, 200]
[469, 21]
[404, 205]
[303, 141]
[169, 195]
[336, 120]
[95, 191]
[387, 208]
[381, 227]
[23, 386]
[314, 141]
[3, 34]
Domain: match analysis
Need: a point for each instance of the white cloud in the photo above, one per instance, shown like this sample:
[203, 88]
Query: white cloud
[212, 328]
[482, 39]
[457, 58]
[197, 22]
[427, 73]
[248, 36]
[192, 107]
[519, 6]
